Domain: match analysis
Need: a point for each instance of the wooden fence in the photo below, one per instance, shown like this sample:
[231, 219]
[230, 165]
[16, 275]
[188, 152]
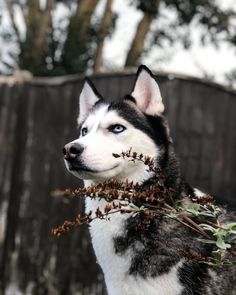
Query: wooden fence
[36, 119]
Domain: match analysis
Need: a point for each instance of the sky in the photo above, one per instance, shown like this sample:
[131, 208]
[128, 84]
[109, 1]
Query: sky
[194, 62]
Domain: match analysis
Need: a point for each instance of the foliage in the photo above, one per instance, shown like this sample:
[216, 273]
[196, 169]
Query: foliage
[200, 214]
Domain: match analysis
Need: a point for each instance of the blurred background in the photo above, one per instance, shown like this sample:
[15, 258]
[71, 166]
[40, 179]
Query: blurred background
[50, 38]
[47, 47]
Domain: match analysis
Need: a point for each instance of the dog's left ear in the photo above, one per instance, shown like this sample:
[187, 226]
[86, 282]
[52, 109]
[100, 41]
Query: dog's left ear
[88, 98]
[147, 93]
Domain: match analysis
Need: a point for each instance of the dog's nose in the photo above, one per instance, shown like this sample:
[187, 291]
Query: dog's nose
[72, 150]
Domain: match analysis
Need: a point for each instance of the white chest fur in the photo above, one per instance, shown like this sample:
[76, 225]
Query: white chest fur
[103, 232]
[116, 266]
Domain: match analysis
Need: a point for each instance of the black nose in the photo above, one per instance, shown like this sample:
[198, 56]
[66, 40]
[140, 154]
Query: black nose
[72, 150]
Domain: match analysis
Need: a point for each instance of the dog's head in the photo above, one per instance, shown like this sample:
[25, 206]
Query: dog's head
[136, 122]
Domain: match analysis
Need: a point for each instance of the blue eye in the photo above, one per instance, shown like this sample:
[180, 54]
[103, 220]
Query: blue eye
[117, 128]
[84, 131]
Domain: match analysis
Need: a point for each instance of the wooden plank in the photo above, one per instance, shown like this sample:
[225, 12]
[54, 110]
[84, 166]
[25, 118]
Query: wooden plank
[8, 104]
[18, 161]
[228, 153]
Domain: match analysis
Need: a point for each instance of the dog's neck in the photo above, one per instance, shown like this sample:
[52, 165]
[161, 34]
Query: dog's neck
[135, 177]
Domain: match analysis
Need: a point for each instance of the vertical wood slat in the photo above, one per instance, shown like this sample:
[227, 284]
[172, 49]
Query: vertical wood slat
[16, 181]
[37, 119]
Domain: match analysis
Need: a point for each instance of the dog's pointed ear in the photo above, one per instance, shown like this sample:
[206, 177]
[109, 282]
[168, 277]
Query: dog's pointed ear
[88, 97]
[146, 93]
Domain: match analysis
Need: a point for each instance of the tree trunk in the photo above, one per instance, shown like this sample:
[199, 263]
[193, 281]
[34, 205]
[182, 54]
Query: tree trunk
[103, 32]
[45, 25]
[75, 54]
[137, 45]
[33, 12]
[84, 13]
[38, 24]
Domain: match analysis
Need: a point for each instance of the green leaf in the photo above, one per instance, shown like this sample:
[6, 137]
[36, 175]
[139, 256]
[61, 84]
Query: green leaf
[219, 232]
[193, 206]
[217, 256]
[206, 241]
[208, 227]
[231, 226]
[193, 209]
[220, 243]
[207, 213]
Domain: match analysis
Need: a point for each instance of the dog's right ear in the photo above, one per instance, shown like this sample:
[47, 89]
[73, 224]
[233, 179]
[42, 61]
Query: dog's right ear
[146, 93]
[88, 97]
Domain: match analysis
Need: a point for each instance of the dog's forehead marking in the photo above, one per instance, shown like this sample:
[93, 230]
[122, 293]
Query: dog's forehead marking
[96, 116]
[102, 117]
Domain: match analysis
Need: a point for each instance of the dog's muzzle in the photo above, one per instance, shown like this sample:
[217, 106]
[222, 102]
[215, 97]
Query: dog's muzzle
[72, 150]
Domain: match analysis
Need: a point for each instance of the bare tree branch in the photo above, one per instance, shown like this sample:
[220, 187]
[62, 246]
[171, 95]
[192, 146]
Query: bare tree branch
[75, 47]
[84, 12]
[45, 23]
[38, 23]
[102, 33]
[137, 45]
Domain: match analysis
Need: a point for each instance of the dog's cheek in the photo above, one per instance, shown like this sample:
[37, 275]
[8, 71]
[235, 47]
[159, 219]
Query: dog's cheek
[140, 143]
[100, 156]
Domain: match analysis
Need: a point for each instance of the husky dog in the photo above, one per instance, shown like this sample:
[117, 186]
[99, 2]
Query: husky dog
[133, 262]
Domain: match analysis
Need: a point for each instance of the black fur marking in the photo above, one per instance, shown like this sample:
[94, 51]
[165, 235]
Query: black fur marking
[152, 256]
[155, 258]
[155, 127]
[152, 126]
[144, 68]
[93, 88]
[127, 112]
[130, 98]
[160, 137]
[192, 276]
[158, 248]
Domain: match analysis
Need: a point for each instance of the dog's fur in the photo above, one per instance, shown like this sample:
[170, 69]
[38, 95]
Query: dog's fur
[134, 262]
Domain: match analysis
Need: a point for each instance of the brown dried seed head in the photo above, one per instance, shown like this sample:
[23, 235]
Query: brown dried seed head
[108, 208]
[134, 155]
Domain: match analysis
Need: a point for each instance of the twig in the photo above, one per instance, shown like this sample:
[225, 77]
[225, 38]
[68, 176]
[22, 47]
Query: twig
[198, 227]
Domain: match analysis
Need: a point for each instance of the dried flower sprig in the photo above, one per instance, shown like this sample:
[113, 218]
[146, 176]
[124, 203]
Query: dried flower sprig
[110, 208]
[200, 214]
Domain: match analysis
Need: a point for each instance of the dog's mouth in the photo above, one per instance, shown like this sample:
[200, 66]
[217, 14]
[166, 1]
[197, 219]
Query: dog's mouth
[79, 167]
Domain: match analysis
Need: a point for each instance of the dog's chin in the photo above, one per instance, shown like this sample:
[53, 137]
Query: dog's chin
[90, 173]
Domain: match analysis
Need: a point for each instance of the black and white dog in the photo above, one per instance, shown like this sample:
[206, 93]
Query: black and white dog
[136, 263]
